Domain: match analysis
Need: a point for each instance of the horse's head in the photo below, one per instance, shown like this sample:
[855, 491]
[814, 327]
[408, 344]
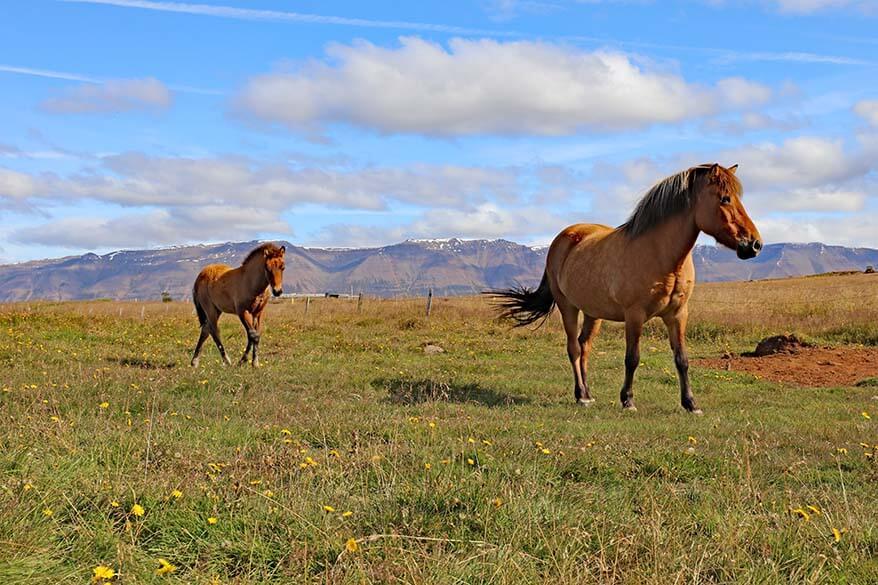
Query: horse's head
[720, 213]
[274, 269]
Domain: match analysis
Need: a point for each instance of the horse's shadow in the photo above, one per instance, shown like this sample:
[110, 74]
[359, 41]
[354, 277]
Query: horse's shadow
[134, 362]
[408, 391]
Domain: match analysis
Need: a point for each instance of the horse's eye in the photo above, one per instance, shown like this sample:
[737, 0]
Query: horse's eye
[725, 200]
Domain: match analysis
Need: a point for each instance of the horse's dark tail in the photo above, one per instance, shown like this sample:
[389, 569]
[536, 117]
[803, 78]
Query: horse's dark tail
[523, 306]
[202, 316]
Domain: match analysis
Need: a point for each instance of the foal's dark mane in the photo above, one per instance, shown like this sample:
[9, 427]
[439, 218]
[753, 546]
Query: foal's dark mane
[273, 250]
[671, 196]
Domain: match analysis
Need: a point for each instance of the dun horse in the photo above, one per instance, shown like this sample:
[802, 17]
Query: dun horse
[242, 291]
[640, 270]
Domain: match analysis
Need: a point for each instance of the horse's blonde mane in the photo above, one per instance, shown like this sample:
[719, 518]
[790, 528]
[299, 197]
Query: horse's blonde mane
[671, 196]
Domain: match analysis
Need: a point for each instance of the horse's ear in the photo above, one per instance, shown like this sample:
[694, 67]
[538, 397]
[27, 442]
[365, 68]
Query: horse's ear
[733, 168]
[265, 252]
[714, 170]
[283, 249]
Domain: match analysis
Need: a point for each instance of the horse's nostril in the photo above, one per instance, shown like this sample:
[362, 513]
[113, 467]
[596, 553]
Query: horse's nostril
[757, 245]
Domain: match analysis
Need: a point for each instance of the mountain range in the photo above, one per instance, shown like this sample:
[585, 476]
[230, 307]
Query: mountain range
[448, 267]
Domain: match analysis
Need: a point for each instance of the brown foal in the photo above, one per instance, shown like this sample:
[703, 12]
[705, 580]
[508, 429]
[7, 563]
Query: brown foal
[242, 291]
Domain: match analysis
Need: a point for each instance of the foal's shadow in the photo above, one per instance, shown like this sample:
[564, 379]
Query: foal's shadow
[134, 362]
[408, 391]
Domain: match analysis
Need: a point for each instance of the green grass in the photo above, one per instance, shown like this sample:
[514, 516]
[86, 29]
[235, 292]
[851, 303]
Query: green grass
[471, 466]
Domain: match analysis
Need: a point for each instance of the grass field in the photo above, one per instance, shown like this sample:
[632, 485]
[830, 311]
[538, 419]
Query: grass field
[352, 456]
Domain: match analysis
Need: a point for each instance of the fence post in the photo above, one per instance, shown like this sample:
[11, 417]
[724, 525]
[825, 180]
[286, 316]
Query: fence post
[307, 304]
[429, 301]
[142, 312]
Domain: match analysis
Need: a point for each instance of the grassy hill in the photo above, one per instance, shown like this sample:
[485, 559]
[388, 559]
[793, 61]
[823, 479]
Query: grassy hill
[353, 456]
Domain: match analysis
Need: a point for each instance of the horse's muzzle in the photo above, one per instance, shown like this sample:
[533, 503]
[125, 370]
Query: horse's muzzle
[277, 291]
[749, 248]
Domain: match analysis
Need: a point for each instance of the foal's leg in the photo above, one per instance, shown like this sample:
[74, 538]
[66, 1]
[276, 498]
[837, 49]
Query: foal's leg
[633, 329]
[257, 321]
[590, 329]
[201, 339]
[570, 319]
[676, 325]
[247, 320]
[214, 332]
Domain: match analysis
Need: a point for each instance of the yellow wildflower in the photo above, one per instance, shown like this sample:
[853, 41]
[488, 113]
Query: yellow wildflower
[176, 494]
[114, 504]
[801, 514]
[545, 451]
[47, 512]
[693, 440]
[470, 461]
[329, 508]
[836, 534]
[814, 509]
[102, 573]
[104, 405]
[866, 415]
[427, 466]
[165, 567]
[211, 520]
[137, 510]
[497, 502]
[351, 545]
[347, 514]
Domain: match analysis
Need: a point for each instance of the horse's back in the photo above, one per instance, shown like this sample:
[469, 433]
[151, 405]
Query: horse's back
[581, 263]
[211, 273]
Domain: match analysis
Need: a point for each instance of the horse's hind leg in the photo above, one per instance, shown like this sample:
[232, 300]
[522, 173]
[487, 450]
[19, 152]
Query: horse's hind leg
[570, 319]
[590, 329]
[214, 332]
[201, 339]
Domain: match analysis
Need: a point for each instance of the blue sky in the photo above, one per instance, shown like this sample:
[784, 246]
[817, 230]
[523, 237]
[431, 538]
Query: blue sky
[136, 123]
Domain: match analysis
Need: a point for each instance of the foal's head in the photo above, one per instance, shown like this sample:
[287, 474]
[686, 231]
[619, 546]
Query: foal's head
[274, 269]
[272, 259]
[720, 213]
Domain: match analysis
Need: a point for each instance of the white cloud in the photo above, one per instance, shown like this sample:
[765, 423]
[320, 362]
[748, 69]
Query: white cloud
[805, 161]
[847, 230]
[17, 186]
[136, 179]
[868, 110]
[487, 220]
[484, 86]
[120, 95]
[738, 92]
[285, 16]
[153, 228]
[811, 6]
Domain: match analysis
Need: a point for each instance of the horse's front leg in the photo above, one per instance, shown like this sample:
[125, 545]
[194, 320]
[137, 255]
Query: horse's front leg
[252, 336]
[676, 325]
[257, 321]
[633, 330]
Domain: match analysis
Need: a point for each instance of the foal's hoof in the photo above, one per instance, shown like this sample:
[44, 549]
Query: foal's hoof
[629, 408]
[696, 411]
[585, 401]
[194, 363]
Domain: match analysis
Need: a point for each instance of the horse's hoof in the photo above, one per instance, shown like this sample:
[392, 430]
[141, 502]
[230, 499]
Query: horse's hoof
[696, 411]
[194, 363]
[585, 401]
[629, 408]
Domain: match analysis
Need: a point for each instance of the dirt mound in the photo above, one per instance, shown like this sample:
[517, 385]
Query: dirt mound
[778, 344]
[805, 365]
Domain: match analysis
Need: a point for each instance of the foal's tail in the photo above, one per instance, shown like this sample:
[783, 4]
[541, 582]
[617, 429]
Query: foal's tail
[202, 316]
[524, 306]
